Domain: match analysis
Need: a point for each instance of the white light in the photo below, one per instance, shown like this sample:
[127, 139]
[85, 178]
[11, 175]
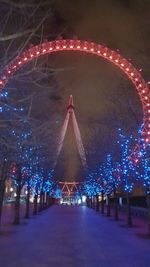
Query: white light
[120, 200]
[15, 194]
[32, 199]
[83, 199]
[79, 201]
[11, 189]
[26, 192]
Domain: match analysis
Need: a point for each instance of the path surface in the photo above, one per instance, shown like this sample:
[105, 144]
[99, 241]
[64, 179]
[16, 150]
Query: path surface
[68, 236]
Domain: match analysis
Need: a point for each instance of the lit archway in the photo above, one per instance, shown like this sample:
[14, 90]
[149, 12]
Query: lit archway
[89, 47]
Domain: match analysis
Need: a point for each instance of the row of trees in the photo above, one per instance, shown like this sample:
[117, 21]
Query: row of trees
[23, 158]
[26, 143]
[119, 177]
[26, 136]
[26, 166]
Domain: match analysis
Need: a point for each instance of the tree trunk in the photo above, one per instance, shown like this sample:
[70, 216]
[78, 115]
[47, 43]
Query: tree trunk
[18, 192]
[2, 192]
[108, 206]
[97, 203]
[87, 202]
[35, 205]
[92, 203]
[48, 200]
[41, 202]
[27, 215]
[148, 209]
[116, 206]
[102, 203]
[2, 185]
[129, 215]
[17, 206]
[46, 204]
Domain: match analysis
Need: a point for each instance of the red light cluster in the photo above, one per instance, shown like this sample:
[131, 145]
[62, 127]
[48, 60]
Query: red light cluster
[89, 47]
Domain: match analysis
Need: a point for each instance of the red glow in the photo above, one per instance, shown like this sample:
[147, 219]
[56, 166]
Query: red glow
[100, 50]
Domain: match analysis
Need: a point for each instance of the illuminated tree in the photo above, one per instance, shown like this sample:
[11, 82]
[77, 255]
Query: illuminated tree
[128, 168]
[92, 187]
[111, 183]
[8, 114]
[143, 171]
[102, 185]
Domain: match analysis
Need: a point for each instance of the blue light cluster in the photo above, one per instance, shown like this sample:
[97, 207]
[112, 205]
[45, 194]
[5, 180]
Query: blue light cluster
[7, 108]
[124, 174]
[3, 94]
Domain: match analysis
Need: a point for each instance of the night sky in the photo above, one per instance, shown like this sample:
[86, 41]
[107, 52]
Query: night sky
[104, 97]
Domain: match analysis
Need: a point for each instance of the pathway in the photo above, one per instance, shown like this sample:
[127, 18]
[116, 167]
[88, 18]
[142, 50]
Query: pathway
[71, 236]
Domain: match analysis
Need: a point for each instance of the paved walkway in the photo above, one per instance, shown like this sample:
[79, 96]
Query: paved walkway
[68, 236]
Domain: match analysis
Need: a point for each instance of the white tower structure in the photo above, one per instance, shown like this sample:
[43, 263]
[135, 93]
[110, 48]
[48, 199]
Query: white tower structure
[71, 116]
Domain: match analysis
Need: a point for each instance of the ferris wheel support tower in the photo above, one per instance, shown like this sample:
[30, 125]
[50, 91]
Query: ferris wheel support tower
[71, 116]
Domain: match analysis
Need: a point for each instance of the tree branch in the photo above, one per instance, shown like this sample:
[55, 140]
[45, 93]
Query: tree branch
[15, 35]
